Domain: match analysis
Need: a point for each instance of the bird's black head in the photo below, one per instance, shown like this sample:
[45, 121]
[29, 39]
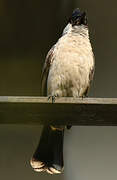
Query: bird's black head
[78, 18]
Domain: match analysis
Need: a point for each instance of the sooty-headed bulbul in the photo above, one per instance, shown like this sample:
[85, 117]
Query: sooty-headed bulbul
[67, 72]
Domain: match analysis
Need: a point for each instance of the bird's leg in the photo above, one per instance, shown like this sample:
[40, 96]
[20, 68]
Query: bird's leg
[52, 97]
[84, 96]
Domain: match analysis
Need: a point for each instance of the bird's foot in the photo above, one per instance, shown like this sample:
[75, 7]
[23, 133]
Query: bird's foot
[52, 98]
[84, 96]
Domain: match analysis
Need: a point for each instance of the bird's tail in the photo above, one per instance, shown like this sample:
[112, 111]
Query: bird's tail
[49, 153]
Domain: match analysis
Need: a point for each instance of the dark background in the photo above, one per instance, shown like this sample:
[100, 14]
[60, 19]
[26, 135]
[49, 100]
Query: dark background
[28, 28]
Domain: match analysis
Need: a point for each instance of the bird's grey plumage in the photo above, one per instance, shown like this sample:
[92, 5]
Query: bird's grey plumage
[68, 71]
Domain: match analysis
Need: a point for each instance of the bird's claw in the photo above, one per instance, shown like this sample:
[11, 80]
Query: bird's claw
[52, 98]
[84, 96]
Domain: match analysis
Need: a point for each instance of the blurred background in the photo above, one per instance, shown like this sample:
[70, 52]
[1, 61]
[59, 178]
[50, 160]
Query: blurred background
[28, 28]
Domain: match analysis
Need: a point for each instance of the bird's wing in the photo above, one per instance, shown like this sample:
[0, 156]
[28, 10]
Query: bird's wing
[92, 70]
[91, 75]
[45, 71]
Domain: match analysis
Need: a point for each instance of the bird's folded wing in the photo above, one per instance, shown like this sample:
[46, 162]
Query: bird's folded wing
[45, 71]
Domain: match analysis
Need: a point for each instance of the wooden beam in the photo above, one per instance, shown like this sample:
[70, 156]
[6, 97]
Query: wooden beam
[65, 111]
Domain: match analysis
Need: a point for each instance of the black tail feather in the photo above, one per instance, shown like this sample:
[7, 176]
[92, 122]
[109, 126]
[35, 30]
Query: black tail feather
[49, 153]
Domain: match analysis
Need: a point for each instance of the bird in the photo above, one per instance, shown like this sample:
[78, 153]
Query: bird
[67, 72]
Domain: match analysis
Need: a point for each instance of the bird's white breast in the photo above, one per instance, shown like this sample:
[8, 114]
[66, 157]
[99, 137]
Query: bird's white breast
[69, 72]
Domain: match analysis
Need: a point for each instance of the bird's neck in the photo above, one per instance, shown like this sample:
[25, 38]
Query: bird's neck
[76, 30]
